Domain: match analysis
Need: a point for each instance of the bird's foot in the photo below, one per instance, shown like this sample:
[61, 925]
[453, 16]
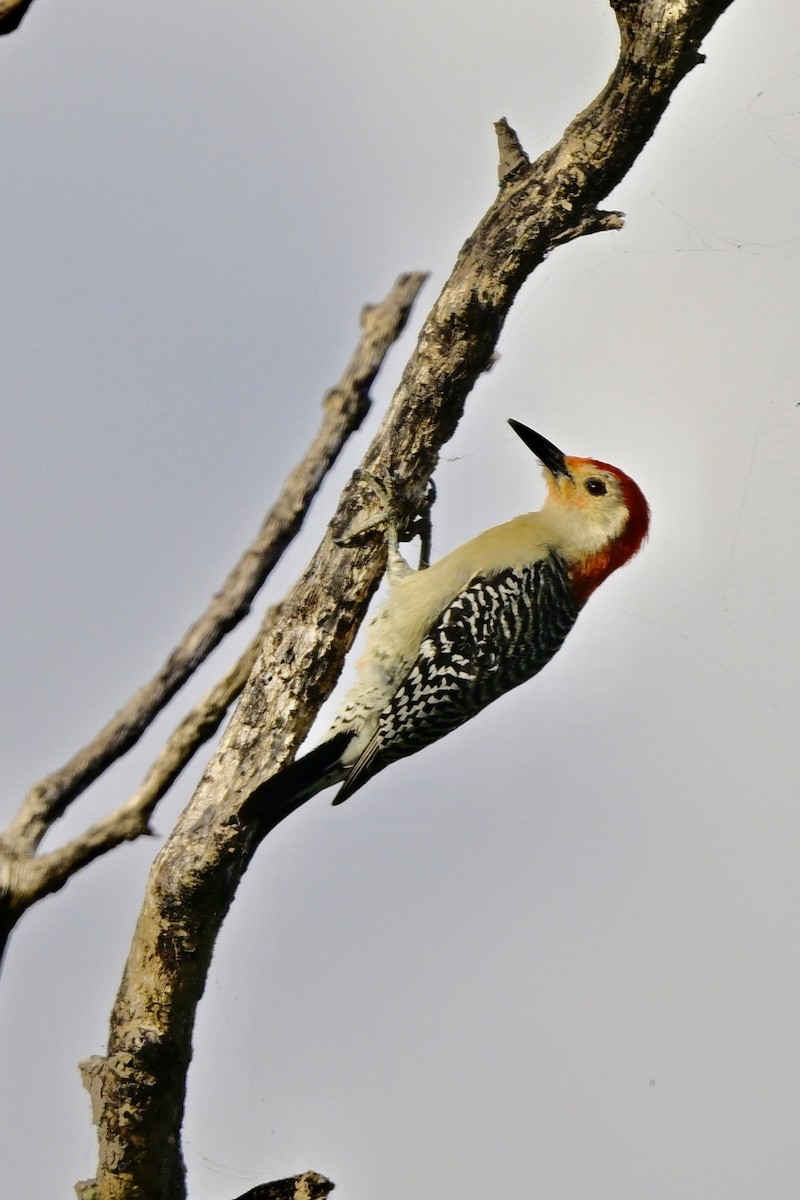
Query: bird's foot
[393, 513]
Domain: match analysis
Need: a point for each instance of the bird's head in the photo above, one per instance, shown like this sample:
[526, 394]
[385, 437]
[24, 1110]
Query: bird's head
[599, 512]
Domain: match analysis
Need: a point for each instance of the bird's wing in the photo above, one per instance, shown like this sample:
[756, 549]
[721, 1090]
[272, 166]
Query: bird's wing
[495, 634]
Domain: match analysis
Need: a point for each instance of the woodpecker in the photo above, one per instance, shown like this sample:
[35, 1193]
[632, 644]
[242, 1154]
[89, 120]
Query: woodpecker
[452, 638]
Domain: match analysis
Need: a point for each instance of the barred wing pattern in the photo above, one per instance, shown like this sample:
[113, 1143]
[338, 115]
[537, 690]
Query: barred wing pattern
[494, 635]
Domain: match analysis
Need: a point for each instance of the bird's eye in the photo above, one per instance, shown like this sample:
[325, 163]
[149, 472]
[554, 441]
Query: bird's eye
[596, 487]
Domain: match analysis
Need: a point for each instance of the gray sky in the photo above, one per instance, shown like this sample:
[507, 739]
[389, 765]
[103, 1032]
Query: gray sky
[560, 947]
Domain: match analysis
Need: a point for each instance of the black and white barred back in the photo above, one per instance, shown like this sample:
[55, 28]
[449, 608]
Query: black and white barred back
[494, 635]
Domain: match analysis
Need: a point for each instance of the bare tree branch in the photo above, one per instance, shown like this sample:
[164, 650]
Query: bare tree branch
[11, 14]
[26, 877]
[308, 1186]
[345, 406]
[195, 877]
[42, 874]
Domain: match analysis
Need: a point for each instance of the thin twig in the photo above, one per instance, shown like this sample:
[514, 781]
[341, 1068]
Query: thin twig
[42, 874]
[344, 408]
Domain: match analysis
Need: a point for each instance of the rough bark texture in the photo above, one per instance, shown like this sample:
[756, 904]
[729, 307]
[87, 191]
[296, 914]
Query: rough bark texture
[195, 876]
[26, 876]
[345, 407]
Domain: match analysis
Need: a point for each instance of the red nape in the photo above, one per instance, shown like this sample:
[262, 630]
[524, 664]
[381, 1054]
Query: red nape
[588, 575]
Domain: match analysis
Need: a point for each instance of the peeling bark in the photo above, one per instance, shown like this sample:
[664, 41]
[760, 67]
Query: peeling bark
[195, 877]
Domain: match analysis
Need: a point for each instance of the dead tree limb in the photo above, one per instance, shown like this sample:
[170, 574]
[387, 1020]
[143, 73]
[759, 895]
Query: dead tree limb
[194, 879]
[43, 874]
[11, 14]
[26, 877]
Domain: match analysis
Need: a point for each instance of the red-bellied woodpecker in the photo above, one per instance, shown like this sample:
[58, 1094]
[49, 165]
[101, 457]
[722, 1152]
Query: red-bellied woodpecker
[486, 617]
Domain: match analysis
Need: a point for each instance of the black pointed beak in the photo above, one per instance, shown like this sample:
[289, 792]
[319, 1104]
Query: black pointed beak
[548, 454]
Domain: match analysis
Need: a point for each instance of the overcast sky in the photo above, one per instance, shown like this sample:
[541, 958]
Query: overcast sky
[556, 955]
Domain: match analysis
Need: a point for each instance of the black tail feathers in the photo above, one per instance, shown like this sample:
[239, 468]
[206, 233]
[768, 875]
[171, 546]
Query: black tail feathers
[298, 781]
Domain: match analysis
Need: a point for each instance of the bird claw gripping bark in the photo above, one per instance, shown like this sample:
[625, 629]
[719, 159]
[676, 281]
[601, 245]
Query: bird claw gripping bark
[392, 513]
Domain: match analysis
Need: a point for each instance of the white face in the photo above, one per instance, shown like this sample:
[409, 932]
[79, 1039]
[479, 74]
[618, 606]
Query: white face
[589, 508]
